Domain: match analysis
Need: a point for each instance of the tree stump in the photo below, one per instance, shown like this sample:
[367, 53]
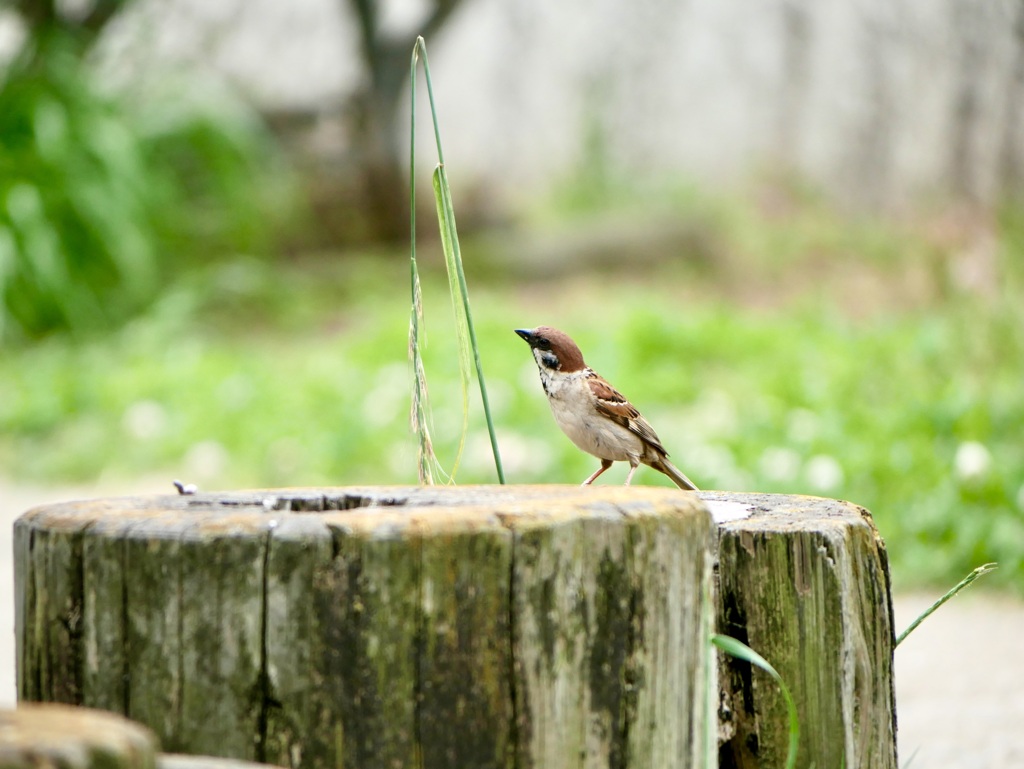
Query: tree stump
[67, 737]
[73, 738]
[483, 627]
[805, 582]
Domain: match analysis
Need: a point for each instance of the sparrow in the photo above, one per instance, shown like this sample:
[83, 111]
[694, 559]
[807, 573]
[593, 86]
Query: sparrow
[595, 416]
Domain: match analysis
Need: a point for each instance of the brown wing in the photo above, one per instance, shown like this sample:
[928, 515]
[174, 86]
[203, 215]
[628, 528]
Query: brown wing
[614, 405]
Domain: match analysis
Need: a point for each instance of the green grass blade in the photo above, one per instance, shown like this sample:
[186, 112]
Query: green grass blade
[449, 244]
[456, 275]
[741, 651]
[980, 571]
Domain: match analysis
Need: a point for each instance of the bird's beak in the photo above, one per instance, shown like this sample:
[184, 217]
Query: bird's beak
[526, 334]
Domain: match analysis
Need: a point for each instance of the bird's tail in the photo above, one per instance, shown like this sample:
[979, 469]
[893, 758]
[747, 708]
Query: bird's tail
[675, 474]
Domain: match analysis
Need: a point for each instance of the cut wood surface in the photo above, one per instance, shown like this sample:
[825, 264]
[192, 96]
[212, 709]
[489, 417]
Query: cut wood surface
[182, 761]
[805, 582]
[378, 627]
[63, 737]
[51, 736]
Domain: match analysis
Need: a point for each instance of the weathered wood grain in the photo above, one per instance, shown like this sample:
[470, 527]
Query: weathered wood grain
[570, 654]
[365, 646]
[48, 580]
[221, 645]
[465, 663]
[151, 667]
[804, 582]
[104, 637]
[611, 634]
[673, 619]
[298, 691]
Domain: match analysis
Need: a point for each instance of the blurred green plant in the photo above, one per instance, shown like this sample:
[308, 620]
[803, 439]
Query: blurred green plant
[739, 650]
[295, 373]
[100, 200]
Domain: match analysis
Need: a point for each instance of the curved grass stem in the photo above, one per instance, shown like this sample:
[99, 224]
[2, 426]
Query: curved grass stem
[459, 292]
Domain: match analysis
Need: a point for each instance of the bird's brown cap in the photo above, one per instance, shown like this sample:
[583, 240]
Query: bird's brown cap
[559, 343]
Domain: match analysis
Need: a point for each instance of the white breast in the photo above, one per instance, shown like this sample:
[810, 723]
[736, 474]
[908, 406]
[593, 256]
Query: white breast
[572, 404]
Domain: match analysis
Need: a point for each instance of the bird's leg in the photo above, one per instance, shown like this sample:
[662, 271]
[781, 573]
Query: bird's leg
[629, 476]
[605, 464]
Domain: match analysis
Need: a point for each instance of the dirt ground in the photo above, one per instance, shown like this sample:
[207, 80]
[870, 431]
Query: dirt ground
[959, 677]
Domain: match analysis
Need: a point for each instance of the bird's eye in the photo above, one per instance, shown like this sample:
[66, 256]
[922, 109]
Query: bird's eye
[543, 343]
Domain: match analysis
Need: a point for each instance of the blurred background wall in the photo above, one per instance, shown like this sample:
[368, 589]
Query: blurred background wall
[879, 103]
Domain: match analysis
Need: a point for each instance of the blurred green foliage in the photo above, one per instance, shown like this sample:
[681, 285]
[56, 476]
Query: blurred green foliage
[102, 197]
[770, 363]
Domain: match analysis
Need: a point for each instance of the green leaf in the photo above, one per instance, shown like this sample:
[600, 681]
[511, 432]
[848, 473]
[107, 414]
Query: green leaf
[450, 246]
[741, 651]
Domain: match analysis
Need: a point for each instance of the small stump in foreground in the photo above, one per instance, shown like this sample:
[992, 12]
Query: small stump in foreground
[36, 736]
[47, 736]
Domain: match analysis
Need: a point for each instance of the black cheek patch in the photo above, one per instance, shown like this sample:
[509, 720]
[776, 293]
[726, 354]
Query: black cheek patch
[549, 360]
